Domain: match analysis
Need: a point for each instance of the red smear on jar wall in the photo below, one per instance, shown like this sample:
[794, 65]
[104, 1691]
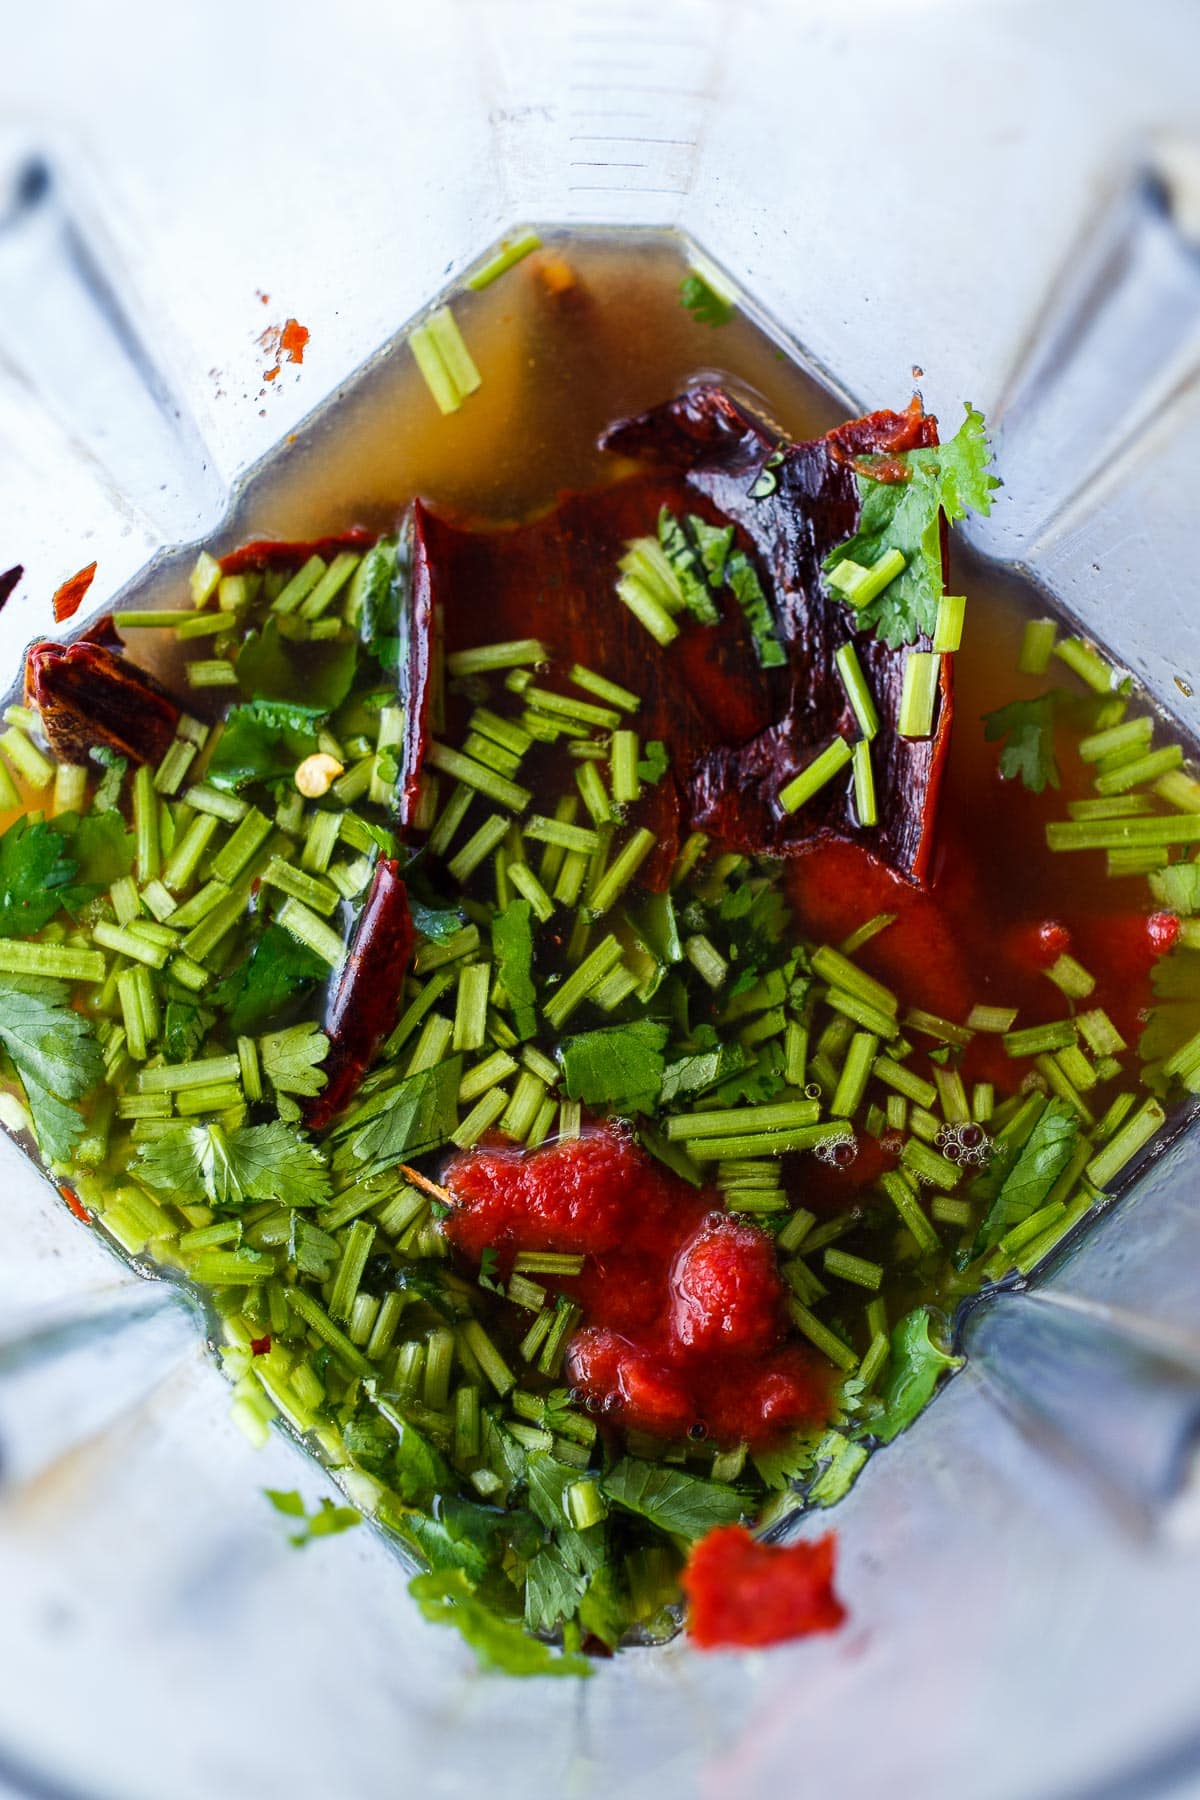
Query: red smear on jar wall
[293, 340]
[744, 1595]
[69, 596]
[683, 1308]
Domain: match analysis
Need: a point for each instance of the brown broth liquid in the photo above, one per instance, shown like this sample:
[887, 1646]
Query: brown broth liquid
[588, 330]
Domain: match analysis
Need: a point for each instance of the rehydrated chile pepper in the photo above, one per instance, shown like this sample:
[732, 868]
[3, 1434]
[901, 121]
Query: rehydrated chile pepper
[364, 1002]
[89, 698]
[736, 732]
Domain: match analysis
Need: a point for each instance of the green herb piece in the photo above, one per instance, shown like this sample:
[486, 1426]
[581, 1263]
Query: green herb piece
[684, 1505]
[1115, 834]
[857, 690]
[291, 1059]
[621, 1065]
[447, 1597]
[36, 872]
[56, 1057]
[1037, 646]
[706, 298]
[517, 653]
[811, 779]
[511, 251]
[917, 1365]
[918, 697]
[1124, 1146]
[1087, 663]
[444, 360]
[512, 947]
[263, 741]
[1045, 1154]
[278, 971]
[417, 1115]
[255, 1162]
[325, 1520]
[904, 515]
[683, 552]
[948, 630]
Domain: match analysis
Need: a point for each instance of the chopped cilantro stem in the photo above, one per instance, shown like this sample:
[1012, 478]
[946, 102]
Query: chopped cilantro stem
[928, 1165]
[857, 690]
[857, 1269]
[855, 1073]
[1141, 770]
[840, 972]
[527, 884]
[763, 1143]
[620, 872]
[1070, 977]
[626, 783]
[482, 1116]
[736, 1121]
[864, 784]
[145, 825]
[1037, 646]
[581, 712]
[478, 847]
[603, 689]
[60, 960]
[1124, 1146]
[28, 761]
[304, 925]
[903, 1197]
[1116, 834]
[861, 1012]
[948, 627]
[476, 775]
[1133, 732]
[1035, 1040]
[811, 779]
[991, 1018]
[647, 608]
[821, 1337]
[485, 659]
[706, 959]
[511, 251]
[1085, 662]
[919, 693]
[1115, 806]
[1179, 790]
[318, 1320]
[562, 835]
[917, 1019]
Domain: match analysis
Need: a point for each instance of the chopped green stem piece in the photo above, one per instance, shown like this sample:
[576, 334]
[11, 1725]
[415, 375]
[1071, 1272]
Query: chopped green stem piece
[1140, 770]
[811, 779]
[991, 1018]
[919, 693]
[1035, 1040]
[1132, 732]
[864, 785]
[556, 831]
[476, 775]
[486, 658]
[856, 1071]
[857, 1269]
[315, 1317]
[1037, 646]
[1071, 978]
[857, 691]
[620, 872]
[927, 1165]
[478, 847]
[510, 252]
[1085, 662]
[948, 626]
[706, 959]
[1124, 1146]
[821, 1337]
[1179, 790]
[1114, 834]
[736, 1121]
[304, 925]
[903, 1197]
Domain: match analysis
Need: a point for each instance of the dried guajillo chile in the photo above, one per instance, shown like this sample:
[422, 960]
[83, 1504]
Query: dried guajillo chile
[89, 698]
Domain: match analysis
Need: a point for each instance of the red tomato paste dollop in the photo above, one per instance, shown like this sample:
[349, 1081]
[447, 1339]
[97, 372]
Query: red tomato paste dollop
[742, 1594]
[684, 1317]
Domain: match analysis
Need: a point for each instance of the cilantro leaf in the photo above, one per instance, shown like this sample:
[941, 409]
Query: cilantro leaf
[552, 1591]
[512, 947]
[279, 969]
[256, 1162]
[1177, 888]
[1046, 1153]
[55, 1054]
[381, 585]
[705, 304]
[435, 922]
[448, 1598]
[102, 849]
[184, 1028]
[420, 1114]
[756, 610]
[683, 553]
[35, 869]
[291, 1058]
[621, 1065]
[107, 796]
[917, 1365]
[905, 514]
[685, 1505]
[264, 741]
[654, 762]
[326, 1519]
[1028, 753]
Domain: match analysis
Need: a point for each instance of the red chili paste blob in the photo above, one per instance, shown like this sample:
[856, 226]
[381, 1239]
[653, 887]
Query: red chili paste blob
[683, 1306]
[743, 1594]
